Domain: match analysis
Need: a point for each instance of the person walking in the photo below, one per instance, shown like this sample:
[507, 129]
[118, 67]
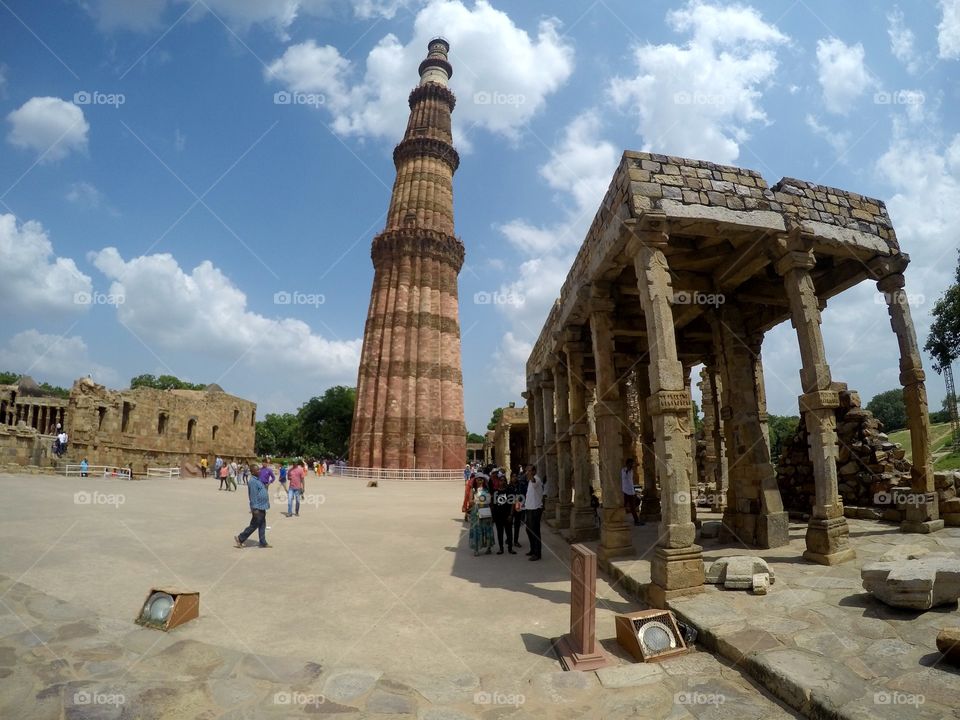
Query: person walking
[296, 478]
[283, 482]
[84, 468]
[222, 474]
[203, 467]
[467, 497]
[259, 497]
[502, 508]
[217, 464]
[629, 491]
[533, 507]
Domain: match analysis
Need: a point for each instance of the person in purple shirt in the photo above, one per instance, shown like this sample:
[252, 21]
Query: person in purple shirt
[259, 504]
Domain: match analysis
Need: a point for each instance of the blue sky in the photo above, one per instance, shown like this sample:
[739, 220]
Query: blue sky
[147, 157]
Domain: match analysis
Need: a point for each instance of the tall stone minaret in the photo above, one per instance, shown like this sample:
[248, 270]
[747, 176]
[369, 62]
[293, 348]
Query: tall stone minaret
[409, 411]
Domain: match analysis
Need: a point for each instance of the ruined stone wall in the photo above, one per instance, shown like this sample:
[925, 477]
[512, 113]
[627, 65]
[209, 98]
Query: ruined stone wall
[157, 428]
[40, 412]
[870, 468]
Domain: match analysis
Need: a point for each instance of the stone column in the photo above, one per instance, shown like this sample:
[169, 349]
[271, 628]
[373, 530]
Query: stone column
[755, 514]
[694, 488]
[593, 443]
[535, 412]
[650, 500]
[677, 564]
[716, 462]
[828, 536]
[564, 457]
[922, 513]
[615, 535]
[549, 423]
[755, 343]
[582, 525]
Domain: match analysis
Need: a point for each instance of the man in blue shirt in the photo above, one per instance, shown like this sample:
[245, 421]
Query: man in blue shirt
[259, 504]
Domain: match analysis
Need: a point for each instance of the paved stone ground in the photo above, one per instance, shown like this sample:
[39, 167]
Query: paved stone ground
[818, 640]
[368, 605]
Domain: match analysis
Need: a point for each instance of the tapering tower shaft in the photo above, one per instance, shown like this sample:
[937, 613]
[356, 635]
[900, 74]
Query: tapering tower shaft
[409, 411]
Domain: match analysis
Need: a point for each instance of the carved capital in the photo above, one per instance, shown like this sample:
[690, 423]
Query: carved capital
[881, 267]
[795, 260]
[668, 401]
[912, 376]
[891, 283]
[819, 400]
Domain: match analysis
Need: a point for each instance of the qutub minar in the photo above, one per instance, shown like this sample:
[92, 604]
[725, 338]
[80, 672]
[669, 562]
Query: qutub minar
[409, 411]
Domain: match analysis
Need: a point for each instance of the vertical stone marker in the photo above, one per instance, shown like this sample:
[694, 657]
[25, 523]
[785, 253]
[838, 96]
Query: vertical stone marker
[579, 649]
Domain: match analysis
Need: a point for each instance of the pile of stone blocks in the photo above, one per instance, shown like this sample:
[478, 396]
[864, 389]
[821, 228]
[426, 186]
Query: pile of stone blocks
[871, 470]
[947, 483]
[741, 572]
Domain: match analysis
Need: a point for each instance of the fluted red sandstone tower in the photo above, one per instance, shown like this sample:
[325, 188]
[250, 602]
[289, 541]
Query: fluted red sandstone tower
[409, 411]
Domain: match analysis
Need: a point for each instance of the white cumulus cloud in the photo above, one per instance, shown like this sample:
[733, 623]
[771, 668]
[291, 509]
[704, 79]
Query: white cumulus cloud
[502, 74]
[842, 73]
[698, 99]
[948, 31]
[903, 41]
[57, 359]
[35, 280]
[51, 127]
[204, 309]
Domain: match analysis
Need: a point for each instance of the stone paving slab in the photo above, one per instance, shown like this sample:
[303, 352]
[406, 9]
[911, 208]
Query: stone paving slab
[100, 669]
[819, 641]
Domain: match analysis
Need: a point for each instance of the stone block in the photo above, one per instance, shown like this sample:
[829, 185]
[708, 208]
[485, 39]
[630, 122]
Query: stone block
[948, 642]
[918, 584]
[739, 572]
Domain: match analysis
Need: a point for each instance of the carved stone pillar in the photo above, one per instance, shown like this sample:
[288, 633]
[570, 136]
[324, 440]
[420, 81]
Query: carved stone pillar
[755, 343]
[650, 500]
[564, 458]
[694, 488]
[677, 564]
[922, 512]
[582, 526]
[828, 536]
[754, 514]
[549, 471]
[714, 461]
[615, 535]
[592, 441]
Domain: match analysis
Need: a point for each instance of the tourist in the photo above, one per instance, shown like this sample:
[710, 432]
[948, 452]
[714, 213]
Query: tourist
[232, 475]
[222, 474]
[519, 492]
[533, 508]
[629, 491]
[283, 482]
[84, 467]
[244, 473]
[259, 504]
[595, 504]
[297, 480]
[467, 497]
[203, 467]
[502, 509]
[481, 518]
[217, 464]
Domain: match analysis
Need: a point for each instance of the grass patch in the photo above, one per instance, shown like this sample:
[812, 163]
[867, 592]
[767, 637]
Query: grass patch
[950, 461]
[939, 439]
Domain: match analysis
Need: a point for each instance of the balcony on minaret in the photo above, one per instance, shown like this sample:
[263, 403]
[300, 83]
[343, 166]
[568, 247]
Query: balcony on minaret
[436, 68]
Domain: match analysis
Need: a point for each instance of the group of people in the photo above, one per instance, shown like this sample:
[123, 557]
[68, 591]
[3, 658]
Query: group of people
[492, 500]
[60, 442]
[258, 479]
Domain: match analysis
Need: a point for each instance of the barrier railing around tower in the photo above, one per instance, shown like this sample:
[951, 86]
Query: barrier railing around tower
[100, 471]
[396, 474]
[168, 472]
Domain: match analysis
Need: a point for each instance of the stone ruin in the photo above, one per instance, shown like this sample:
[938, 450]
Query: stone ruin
[142, 427]
[690, 263]
[869, 467]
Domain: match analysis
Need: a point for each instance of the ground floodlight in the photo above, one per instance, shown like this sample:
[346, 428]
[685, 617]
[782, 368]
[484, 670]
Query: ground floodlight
[650, 635]
[165, 608]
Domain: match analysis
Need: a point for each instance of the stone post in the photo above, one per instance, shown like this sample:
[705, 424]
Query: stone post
[650, 500]
[694, 488]
[564, 458]
[828, 536]
[582, 525]
[715, 471]
[549, 471]
[677, 564]
[755, 343]
[922, 513]
[755, 514]
[535, 414]
[615, 535]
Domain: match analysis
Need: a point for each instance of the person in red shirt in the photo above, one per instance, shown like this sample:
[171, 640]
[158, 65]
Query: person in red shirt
[296, 480]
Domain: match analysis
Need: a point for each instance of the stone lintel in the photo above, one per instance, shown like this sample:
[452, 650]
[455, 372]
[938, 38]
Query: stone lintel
[668, 401]
[819, 400]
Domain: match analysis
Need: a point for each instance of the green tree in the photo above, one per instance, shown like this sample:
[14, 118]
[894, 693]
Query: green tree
[943, 342]
[889, 408]
[164, 382]
[278, 434]
[325, 422]
[8, 378]
[495, 418]
[780, 428]
[474, 438]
